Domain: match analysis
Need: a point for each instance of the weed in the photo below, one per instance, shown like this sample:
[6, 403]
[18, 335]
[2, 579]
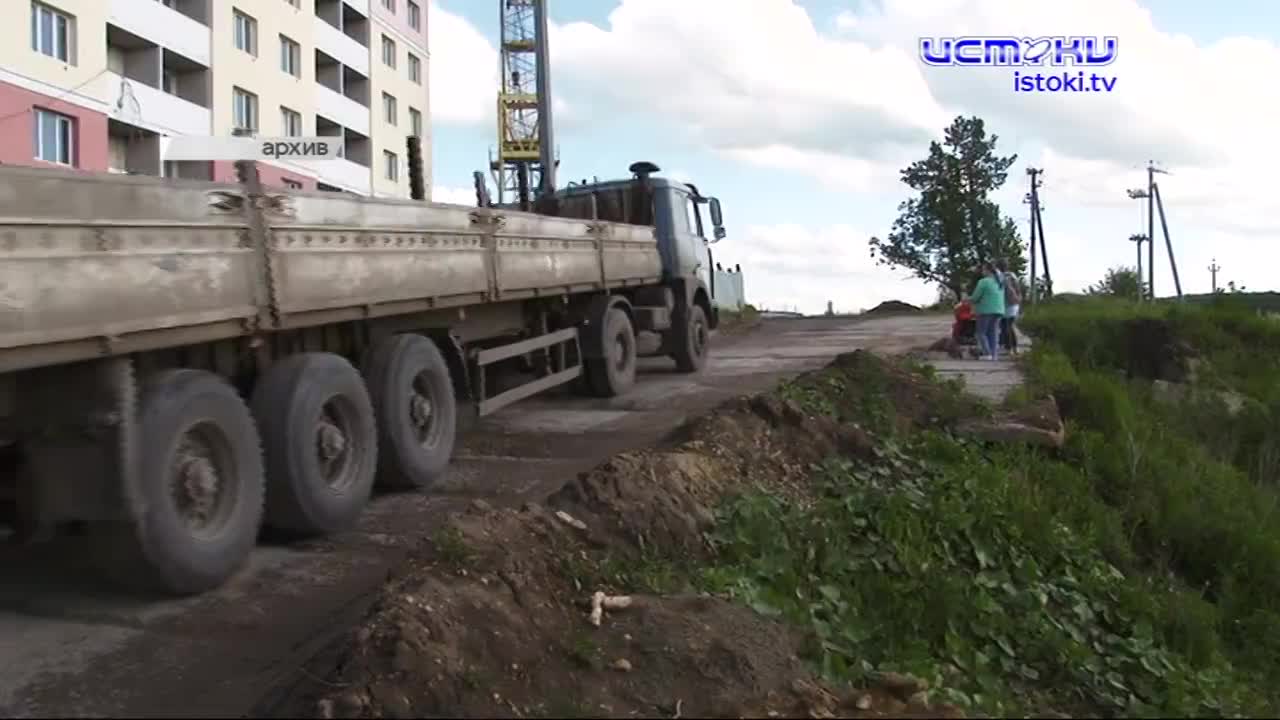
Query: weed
[451, 548]
[584, 651]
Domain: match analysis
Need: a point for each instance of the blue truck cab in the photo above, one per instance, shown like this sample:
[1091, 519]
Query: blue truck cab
[686, 223]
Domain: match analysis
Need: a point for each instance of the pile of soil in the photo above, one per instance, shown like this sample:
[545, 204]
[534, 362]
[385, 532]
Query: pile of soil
[491, 618]
[893, 307]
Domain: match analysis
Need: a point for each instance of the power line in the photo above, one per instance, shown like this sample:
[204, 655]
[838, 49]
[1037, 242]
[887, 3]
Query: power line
[62, 95]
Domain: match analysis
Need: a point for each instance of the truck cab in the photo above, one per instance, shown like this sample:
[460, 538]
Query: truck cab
[686, 222]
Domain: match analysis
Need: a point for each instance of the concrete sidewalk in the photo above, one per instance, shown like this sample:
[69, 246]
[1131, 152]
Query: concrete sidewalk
[991, 381]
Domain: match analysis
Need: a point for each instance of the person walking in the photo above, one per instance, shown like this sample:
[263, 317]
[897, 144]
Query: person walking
[988, 303]
[1012, 305]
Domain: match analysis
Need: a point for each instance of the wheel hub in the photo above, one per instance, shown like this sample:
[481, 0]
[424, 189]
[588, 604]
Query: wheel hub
[420, 410]
[199, 485]
[330, 441]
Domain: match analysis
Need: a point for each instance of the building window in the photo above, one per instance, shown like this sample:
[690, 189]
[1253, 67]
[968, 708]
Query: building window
[389, 4]
[389, 112]
[55, 137]
[415, 122]
[388, 51]
[51, 32]
[291, 122]
[290, 57]
[244, 110]
[246, 32]
[392, 166]
[291, 184]
[415, 69]
[415, 15]
[169, 82]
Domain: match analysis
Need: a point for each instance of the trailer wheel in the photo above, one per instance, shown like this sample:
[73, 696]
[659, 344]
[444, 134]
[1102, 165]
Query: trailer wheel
[691, 339]
[416, 410]
[199, 489]
[320, 443]
[615, 372]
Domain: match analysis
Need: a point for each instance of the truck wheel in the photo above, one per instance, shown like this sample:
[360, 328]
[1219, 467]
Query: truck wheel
[199, 487]
[691, 339]
[615, 373]
[319, 441]
[416, 410]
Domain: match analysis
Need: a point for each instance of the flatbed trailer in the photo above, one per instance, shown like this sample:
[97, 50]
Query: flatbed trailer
[183, 362]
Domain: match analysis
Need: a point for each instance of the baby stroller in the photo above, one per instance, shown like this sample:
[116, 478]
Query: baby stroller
[964, 331]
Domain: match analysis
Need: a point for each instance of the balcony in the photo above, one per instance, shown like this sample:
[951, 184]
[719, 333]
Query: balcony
[154, 109]
[171, 28]
[360, 6]
[342, 110]
[340, 46]
[131, 150]
[340, 172]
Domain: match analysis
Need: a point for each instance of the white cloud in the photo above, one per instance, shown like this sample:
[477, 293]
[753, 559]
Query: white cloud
[846, 21]
[453, 195]
[747, 79]
[463, 71]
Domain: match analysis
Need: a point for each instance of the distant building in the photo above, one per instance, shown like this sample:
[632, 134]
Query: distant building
[100, 85]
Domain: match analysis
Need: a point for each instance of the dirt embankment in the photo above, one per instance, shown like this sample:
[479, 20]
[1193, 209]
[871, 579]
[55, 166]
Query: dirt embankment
[493, 617]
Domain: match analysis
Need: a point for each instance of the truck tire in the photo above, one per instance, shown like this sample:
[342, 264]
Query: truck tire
[320, 443]
[615, 373]
[416, 410]
[690, 339]
[199, 488]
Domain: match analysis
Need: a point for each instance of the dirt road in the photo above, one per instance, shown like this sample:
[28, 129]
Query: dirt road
[67, 648]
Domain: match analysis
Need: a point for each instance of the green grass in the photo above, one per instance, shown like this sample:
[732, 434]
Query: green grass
[1001, 565]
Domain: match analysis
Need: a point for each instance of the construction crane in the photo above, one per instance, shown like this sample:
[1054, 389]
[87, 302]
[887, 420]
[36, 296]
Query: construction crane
[525, 166]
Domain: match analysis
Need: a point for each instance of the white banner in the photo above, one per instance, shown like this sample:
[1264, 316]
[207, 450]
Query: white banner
[195, 147]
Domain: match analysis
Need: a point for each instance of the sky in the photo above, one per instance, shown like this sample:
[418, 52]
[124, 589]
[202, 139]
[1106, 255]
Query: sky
[799, 115]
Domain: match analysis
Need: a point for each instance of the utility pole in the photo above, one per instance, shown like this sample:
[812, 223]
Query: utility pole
[1031, 283]
[1140, 194]
[1037, 233]
[1168, 244]
[1137, 239]
[1213, 272]
[1152, 199]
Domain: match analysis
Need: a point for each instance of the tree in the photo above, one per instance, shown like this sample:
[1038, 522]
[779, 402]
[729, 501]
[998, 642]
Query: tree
[1121, 282]
[951, 226]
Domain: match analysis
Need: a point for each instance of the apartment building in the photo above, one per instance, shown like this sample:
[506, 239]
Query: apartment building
[100, 85]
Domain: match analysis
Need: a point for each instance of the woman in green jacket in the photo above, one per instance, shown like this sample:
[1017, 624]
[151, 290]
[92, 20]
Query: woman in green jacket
[988, 303]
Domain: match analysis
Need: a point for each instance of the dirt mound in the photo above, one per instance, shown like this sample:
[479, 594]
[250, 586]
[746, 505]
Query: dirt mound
[893, 307]
[493, 617]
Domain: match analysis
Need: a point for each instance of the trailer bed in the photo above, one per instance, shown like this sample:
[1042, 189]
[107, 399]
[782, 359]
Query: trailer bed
[94, 265]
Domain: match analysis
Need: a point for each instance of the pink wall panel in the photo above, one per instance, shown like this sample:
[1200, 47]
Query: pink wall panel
[17, 108]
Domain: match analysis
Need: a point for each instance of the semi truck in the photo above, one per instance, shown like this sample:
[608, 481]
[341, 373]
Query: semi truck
[183, 363]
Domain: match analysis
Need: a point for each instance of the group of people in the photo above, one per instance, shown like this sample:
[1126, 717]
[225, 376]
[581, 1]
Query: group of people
[995, 302]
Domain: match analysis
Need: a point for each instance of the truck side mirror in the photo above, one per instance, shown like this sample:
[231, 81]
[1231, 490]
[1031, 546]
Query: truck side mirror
[720, 232]
[717, 219]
